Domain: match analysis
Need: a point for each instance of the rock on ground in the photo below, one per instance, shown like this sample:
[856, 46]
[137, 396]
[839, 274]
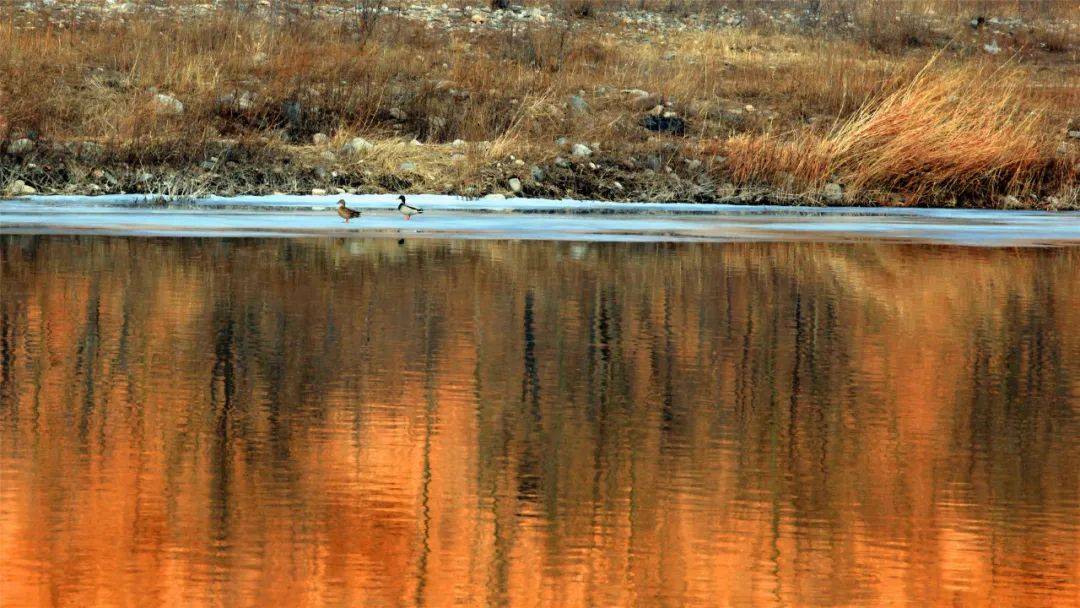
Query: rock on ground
[356, 145]
[167, 104]
[20, 146]
[664, 124]
[19, 188]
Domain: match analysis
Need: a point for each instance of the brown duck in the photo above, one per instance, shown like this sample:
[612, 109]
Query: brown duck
[346, 213]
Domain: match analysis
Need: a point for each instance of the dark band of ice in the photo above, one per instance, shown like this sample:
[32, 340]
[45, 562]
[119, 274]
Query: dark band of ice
[452, 217]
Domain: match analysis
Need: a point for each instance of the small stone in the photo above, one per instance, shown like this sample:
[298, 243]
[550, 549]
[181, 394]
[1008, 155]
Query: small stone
[357, 144]
[518, 162]
[561, 142]
[664, 124]
[1010, 202]
[318, 191]
[1075, 134]
[618, 186]
[992, 48]
[537, 173]
[19, 188]
[457, 143]
[581, 150]
[833, 192]
[398, 114]
[561, 162]
[244, 100]
[416, 142]
[578, 104]
[20, 146]
[407, 166]
[167, 104]
[515, 185]
[478, 19]
[319, 139]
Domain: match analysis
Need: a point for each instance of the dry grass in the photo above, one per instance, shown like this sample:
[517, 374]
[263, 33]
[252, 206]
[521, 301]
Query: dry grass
[868, 108]
[945, 136]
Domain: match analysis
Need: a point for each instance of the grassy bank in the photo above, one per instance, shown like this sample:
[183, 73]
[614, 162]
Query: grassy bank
[902, 103]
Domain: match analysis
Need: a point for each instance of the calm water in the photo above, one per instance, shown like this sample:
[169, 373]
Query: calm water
[361, 423]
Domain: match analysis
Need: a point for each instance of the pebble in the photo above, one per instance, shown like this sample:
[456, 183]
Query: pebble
[357, 144]
[318, 191]
[833, 192]
[167, 104]
[319, 139]
[581, 150]
[578, 104]
[515, 185]
[20, 146]
[19, 188]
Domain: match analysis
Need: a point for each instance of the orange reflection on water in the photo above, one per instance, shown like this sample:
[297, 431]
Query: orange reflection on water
[275, 422]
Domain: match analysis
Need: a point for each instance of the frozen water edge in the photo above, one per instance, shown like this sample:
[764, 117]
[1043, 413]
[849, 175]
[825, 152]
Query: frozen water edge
[452, 217]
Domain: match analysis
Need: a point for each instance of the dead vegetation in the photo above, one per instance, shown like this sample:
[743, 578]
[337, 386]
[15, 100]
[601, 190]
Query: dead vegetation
[893, 106]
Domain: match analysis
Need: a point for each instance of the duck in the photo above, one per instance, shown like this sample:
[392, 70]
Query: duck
[346, 213]
[407, 210]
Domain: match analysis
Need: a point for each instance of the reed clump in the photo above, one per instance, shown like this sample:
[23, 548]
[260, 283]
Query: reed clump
[943, 136]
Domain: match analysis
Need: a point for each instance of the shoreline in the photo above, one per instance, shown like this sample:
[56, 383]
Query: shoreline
[532, 219]
[598, 178]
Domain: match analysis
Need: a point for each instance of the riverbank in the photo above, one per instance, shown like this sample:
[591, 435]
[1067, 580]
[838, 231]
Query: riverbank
[746, 103]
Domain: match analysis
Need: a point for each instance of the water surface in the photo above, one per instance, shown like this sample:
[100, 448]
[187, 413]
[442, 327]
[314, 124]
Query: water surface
[357, 422]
